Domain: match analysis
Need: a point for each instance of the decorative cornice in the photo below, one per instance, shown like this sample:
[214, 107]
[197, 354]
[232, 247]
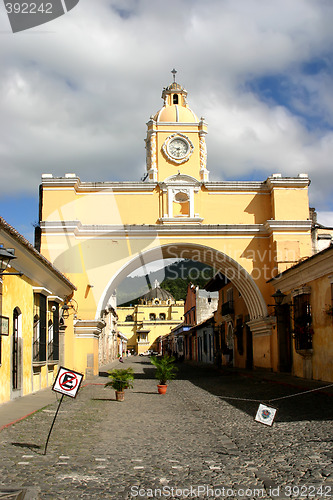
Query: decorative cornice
[167, 225]
[180, 220]
[180, 125]
[96, 187]
[262, 326]
[235, 186]
[41, 290]
[274, 182]
[180, 180]
[119, 231]
[265, 187]
[88, 328]
[303, 290]
[315, 267]
[287, 225]
[277, 181]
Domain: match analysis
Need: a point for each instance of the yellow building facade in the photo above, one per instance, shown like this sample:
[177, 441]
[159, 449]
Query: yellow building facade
[32, 333]
[156, 314]
[97, 233]
[305, 316]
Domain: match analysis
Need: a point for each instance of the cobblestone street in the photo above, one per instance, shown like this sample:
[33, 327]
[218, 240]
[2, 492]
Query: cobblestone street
[195, 436]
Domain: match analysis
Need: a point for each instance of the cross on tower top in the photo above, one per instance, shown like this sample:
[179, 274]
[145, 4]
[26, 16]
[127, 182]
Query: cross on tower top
[174, 72]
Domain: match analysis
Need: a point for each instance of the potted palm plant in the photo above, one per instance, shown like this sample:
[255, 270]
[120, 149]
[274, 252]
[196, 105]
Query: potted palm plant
[121, 379]
[165, 370]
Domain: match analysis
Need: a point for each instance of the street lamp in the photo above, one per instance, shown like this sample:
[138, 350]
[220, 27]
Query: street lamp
[6, 256]
[278, 297]
[283, 315]
[70, 307]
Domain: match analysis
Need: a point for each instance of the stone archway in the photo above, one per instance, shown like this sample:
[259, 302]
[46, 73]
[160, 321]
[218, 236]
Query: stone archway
[221, 262]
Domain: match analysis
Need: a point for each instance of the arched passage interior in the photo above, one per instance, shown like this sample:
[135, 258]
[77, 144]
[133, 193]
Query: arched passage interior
[218, 260]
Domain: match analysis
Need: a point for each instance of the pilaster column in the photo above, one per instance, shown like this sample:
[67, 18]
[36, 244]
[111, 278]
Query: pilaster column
[170, 201]
[87, 334]
[192, 203]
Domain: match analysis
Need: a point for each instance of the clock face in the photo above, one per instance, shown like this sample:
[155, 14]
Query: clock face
[178, 148]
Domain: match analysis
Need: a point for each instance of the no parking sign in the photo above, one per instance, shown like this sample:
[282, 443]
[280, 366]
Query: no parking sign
[67, 382]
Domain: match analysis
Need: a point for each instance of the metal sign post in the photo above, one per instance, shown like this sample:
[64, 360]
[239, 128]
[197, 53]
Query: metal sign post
[55, 416]
[67, 383]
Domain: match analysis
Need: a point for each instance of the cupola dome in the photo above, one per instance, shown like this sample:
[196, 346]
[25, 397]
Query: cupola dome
[157, 294]
[175, 109]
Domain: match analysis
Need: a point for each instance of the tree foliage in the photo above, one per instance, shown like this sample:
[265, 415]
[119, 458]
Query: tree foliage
[177, 276]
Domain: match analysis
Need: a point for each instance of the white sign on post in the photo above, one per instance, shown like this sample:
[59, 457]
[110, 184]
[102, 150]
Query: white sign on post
[265, 414]
[67, 382]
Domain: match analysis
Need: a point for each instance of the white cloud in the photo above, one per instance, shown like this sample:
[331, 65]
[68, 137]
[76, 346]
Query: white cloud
[325, 218]
[75, 94]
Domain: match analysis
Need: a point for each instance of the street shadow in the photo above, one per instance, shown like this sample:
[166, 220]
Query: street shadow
[148, 373]
[103, 399]
[245, 392]
[145, 392]
[35, 448]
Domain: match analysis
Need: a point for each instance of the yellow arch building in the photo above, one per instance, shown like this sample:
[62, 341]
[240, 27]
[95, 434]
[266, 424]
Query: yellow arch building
[97, 233]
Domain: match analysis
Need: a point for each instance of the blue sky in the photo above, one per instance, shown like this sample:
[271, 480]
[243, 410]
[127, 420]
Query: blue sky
[75, 94]
[21, 212]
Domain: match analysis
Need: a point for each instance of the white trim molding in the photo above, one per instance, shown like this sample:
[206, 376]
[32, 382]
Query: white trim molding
[262, 327]
[88, 328]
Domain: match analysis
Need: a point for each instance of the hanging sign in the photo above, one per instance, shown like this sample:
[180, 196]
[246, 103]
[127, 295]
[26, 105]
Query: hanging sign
[67, 382]
[265, 414]
[4, 325]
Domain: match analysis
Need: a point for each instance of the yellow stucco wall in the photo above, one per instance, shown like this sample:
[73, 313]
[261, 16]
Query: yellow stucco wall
[78, 259]
[322, 340]
[225, 207]
[84, 347]
[18, 293]
[141, 321]
[290, 204]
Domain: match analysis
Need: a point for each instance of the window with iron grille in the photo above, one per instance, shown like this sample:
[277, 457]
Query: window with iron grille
[302, 322]
[239, 335]
[228, 306]
[53, 331]
[39, 336]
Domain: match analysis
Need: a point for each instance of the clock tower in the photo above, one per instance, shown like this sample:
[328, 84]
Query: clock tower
[176, 139]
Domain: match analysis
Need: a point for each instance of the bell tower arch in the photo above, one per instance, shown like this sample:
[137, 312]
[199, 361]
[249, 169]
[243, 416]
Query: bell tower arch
[253, 229]
[176, 138]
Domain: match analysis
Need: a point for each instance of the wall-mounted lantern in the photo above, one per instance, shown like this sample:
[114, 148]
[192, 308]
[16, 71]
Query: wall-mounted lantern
[70, 307]
[6, 256]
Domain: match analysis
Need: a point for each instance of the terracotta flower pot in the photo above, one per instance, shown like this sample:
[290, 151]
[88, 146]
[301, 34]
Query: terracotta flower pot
[120, 395]
[162, 389]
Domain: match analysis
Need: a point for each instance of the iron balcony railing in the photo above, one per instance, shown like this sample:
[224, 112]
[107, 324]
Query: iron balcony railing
[228, 308]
